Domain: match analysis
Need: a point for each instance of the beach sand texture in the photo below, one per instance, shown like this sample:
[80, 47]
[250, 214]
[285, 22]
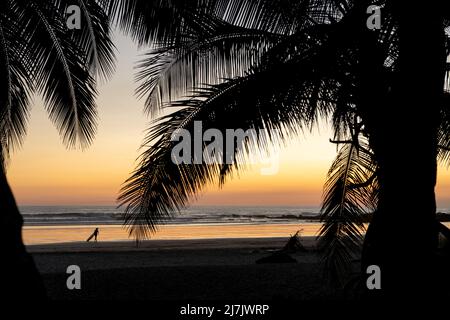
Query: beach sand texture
[190, 270]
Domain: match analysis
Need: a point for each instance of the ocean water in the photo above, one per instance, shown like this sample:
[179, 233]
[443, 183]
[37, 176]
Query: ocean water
[91, 215]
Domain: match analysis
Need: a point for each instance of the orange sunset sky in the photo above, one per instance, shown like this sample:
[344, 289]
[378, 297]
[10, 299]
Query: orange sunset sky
[44, 172]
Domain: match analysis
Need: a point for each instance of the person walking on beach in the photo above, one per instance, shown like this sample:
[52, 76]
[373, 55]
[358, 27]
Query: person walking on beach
[93, 235]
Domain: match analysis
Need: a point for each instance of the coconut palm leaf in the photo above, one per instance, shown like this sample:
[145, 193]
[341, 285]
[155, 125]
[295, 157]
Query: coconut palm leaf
[350, 193]
[67, 86]
[218, 44]
[214, 41]
[14, 89]
[39, 54]
[444, 132]
[165, 21]
[94, 37]
[161, 20]
[225, 51]
[286, 107]
[310, 80]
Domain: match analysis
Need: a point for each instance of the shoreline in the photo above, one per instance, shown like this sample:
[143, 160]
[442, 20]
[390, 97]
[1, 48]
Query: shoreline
[72, 234]
[92, 224]
[53, 235]
[262, 244]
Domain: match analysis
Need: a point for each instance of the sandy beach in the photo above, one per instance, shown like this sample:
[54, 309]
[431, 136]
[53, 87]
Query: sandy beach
[181, 262]
[177, 269]
[209, 269]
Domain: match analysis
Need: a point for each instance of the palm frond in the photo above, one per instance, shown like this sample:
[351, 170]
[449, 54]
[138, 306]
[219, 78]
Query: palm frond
[159, 188]
[225, 51]
[165, 21]
[203, 42]
[94, 38]
[161, 20]
[39, 54]
[153, 192]
[309, 83]
[215, 40]
[61, 75]
[14, 89]
[444, 132]
[350, 193]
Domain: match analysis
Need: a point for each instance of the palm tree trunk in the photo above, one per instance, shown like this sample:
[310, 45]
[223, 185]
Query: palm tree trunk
[20, 277]
[402, 237]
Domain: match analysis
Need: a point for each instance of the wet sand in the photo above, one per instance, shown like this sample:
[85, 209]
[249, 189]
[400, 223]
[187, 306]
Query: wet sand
[63, 234]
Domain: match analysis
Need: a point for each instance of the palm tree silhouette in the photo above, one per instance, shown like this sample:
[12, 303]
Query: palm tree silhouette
[282, 65]
[40, 55]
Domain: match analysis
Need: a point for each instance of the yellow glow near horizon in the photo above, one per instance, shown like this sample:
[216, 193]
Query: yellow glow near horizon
[44, 172]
